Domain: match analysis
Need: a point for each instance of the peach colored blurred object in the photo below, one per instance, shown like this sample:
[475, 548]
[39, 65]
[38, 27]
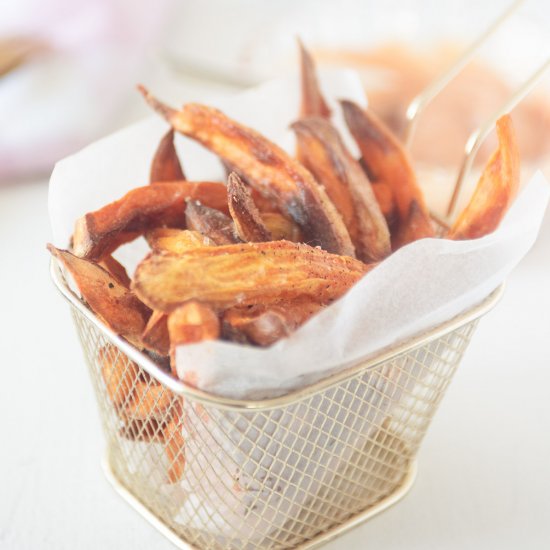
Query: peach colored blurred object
[447, 122]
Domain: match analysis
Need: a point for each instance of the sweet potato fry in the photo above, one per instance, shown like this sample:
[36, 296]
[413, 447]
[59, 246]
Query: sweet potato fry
[190, 323]
[384, 197]
[387, 161]
[149, 400]
[264, 204]
[496, 189]
[166, 165]
[174, 446]
[211, 223]
[119, 374]
[265, 325]
[155, 335]
[116, 269]
[245, 274]
[266, 167]
[281, 228]
[176, 240]
[313, 103]
[325, 155]
[113, 303]
[162, 205]
[249, 225]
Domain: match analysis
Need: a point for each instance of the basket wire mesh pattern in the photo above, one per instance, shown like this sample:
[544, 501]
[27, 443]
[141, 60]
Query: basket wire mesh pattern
[283, 475]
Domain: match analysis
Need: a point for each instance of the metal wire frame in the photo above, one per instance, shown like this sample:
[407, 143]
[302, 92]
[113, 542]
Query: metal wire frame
[290, 472]
[478, 136]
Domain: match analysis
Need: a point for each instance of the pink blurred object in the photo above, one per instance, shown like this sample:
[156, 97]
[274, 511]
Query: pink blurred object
[58, 101]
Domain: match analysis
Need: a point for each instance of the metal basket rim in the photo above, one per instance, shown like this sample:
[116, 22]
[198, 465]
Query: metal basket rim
[181, 388]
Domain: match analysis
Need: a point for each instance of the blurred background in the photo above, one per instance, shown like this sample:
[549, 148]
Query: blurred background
[68, 70]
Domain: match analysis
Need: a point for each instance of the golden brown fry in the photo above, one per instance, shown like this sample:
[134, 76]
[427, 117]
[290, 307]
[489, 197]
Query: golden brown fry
[249, 225]
[190, 323]
[266, 167]
[119, 374]
[281, 228]
[113, 303]
[174, 445]
[384, 197]
[211, 223]
[325, 155]
[149, 400]
[496, 189]
[175, 240]
[386, 161]
[116, 269]
[99, 233]
[265, 325]
[245, 274]
[313, 103]
[155, 335]
[166, 165]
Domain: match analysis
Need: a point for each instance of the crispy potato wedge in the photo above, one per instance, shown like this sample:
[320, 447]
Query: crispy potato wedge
[387, 161]
[325, 155]
[155, 335]
[211, 223]
[281, 228]
[190, 323]
[266, 167]
[496, 189]
[113, 303]
[116, 269]
[174, 446]
[149, 400]
[176, 240]
[312, 103]
[119, 374]
[265, 325]
[249, 225]
[162, 205]
[245, 274]
[166, 164]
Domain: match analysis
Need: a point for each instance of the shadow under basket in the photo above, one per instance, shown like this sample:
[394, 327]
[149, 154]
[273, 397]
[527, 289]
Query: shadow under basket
[289, 472]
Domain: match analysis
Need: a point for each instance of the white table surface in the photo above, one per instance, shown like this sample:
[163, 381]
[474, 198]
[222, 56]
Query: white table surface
[484, 469]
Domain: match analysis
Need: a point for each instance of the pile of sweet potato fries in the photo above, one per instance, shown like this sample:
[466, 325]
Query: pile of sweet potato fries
[251, 259]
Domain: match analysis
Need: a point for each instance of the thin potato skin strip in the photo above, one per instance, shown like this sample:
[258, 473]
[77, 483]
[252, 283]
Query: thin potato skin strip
[249, 225]
[113, 303]
[312, 102]
[250, 273]
[174, 446]
[386, 161]
[326, 156]
[99, 233]
[496, 189]
[166, 164]
[266, 167]
[211, 223]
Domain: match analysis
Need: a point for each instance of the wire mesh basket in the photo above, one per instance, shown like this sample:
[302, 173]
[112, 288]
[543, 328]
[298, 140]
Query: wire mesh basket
[292, 471]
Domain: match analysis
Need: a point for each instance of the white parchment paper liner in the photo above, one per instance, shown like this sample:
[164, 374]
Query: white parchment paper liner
[418, 287]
